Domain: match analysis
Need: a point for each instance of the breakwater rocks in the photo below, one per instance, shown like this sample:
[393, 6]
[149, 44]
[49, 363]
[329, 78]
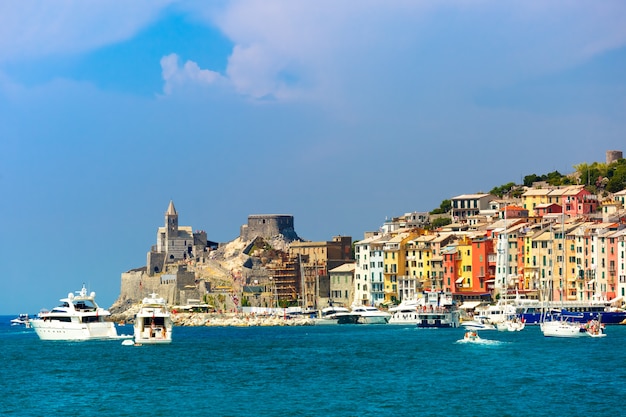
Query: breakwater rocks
[237, 320]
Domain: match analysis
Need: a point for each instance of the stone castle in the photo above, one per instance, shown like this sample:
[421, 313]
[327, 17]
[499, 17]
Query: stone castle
[185, 267]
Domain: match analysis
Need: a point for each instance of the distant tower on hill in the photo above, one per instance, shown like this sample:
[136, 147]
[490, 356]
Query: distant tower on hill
[268, 226]
[613, 156]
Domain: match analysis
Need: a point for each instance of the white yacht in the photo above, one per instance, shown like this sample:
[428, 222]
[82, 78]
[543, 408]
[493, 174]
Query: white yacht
[21, 320]
[330, 315]
[153, 321]
[365, 315]
[494, 314]
[78, 317]
[405, 313]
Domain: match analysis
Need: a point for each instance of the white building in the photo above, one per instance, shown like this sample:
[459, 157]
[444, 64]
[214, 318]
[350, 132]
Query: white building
[368, 274]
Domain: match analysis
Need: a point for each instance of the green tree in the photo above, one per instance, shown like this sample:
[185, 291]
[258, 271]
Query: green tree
[617, 176]
[530, 179]
[503, 189]
[443, 208]
[440, 222]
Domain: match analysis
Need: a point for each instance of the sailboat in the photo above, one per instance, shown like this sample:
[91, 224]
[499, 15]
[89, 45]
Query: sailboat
[511, 322]
[559, 325]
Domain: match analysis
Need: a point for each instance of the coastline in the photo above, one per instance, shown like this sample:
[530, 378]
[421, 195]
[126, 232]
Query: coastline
[228, 320]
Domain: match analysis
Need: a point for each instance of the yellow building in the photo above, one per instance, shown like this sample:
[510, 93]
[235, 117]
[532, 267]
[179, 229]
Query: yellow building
[394, 263]
[417, 250]
[464, 274]
[534, 197]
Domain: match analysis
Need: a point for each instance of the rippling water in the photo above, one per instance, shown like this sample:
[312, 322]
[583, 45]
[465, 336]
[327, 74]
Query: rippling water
[348, 370]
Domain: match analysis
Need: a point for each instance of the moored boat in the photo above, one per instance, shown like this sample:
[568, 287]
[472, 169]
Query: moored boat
[580, 311]
[153, 321]
[511, 324]
[405, 313]
[371, 315]
[78, 317]
[438, 311]
[364, 315]
[330, 315]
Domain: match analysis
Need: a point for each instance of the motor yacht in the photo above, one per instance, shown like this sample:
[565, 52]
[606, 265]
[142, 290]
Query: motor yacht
[78, 317]
[153, 321]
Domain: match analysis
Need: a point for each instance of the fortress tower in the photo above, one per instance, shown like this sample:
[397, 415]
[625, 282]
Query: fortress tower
[268, 226]
[612, 156]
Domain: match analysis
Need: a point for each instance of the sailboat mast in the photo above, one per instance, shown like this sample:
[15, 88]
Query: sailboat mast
[302, 284]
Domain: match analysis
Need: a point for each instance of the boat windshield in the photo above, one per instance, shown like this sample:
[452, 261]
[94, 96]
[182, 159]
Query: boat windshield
[84, 305]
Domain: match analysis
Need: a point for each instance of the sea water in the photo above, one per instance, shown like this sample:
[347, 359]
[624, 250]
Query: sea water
[344, 370]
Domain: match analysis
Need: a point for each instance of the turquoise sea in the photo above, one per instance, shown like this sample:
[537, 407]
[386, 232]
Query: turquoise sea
[347, 370]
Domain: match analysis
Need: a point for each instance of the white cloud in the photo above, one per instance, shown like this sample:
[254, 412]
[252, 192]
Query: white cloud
[190, 73]
[329, 49]
[35, 28]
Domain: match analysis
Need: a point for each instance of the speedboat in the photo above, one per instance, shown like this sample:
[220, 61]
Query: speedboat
[78, 317]
[21, 320]
[153, 321]
[595, 328]
[478, 324]
[471, 336]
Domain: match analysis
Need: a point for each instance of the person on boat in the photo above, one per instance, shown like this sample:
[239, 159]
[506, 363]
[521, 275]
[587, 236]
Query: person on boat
[152, 328]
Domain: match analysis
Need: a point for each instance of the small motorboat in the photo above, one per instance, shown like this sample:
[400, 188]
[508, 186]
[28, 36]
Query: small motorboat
[471, 336]
[595, 328]
[21, 320]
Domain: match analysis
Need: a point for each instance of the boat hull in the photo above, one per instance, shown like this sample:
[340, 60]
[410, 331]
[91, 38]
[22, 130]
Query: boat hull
[477, 325]
[57, 330]
[325, 322]
[438, 320]
[373, 320]
[607, 317]
[348, 319]
[562, 329]
[404, 318]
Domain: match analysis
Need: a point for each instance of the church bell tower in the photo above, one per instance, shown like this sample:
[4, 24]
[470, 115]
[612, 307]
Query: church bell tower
[171, 222]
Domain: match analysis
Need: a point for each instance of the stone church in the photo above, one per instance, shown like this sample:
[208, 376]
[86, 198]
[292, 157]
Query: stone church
[175, 243]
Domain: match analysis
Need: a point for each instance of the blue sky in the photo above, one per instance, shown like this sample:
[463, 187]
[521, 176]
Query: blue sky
[339, 113]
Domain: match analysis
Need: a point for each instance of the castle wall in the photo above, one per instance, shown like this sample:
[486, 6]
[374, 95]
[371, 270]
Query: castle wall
[175, 288]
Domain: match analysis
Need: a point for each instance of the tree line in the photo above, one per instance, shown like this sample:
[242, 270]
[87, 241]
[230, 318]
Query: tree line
[598, 178]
